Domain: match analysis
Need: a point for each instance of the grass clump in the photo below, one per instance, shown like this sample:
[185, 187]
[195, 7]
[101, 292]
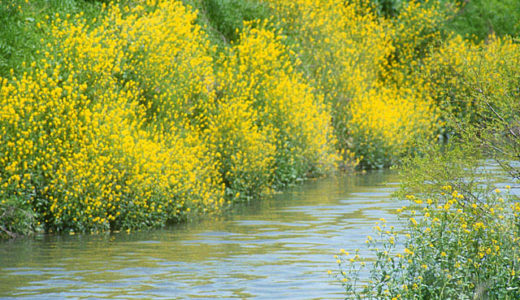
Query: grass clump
[481, 18]
[228, 16]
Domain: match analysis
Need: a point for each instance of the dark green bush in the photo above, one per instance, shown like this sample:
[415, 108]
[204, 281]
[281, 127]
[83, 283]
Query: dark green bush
[480, 18]
[16, 218]
[227, 16]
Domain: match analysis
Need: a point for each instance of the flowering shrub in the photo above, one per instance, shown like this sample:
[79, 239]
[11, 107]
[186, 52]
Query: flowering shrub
[455, 245]
[417, 29]
[387, 123]
[351, 55]
[281, 111]
[131, 114]
[465, 78]
[460, 237]
[342, 49]
[76, 141]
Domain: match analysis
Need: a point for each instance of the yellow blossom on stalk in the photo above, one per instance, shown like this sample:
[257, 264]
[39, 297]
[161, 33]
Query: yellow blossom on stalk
[408, 251]
[478, 225]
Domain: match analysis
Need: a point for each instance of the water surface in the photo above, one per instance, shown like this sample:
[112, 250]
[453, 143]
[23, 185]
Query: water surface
[277, 248]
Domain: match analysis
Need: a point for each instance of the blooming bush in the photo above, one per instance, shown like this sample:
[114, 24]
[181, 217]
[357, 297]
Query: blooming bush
[466, 78]
[134, 114]
[455, 245]
[274, 105]
[460, 237]
[354, 58]
[83, 141]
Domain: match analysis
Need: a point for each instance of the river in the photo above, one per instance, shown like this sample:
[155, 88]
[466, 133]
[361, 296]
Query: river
[277, 248]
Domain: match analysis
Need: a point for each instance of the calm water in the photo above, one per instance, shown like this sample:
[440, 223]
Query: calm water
[280, 247]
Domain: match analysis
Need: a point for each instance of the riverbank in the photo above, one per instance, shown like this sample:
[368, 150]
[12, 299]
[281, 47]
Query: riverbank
[134, 115]
[275, 248]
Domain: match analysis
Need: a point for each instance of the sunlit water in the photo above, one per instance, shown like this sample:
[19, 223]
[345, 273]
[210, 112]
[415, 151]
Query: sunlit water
[276, 248]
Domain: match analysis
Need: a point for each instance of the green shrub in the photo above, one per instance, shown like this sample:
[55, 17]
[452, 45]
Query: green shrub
[16, 218]
[228, 16]
[465, 79]
[481, 18]
[460, 235]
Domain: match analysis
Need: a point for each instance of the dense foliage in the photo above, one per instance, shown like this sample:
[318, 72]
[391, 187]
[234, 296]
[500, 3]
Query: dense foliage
[131, 119]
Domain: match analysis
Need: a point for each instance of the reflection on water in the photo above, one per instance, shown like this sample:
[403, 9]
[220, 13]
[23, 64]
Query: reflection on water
[279, 247]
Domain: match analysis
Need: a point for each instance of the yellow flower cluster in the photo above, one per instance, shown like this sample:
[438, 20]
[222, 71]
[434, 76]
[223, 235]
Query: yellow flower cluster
[466, 79]
[342, 48]
[351, 54]
[453, 243]
[469, 235]
[386, 123]
[129, 120]
[344, 45]
[79, 143]
[414, 31]
[270, 125]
